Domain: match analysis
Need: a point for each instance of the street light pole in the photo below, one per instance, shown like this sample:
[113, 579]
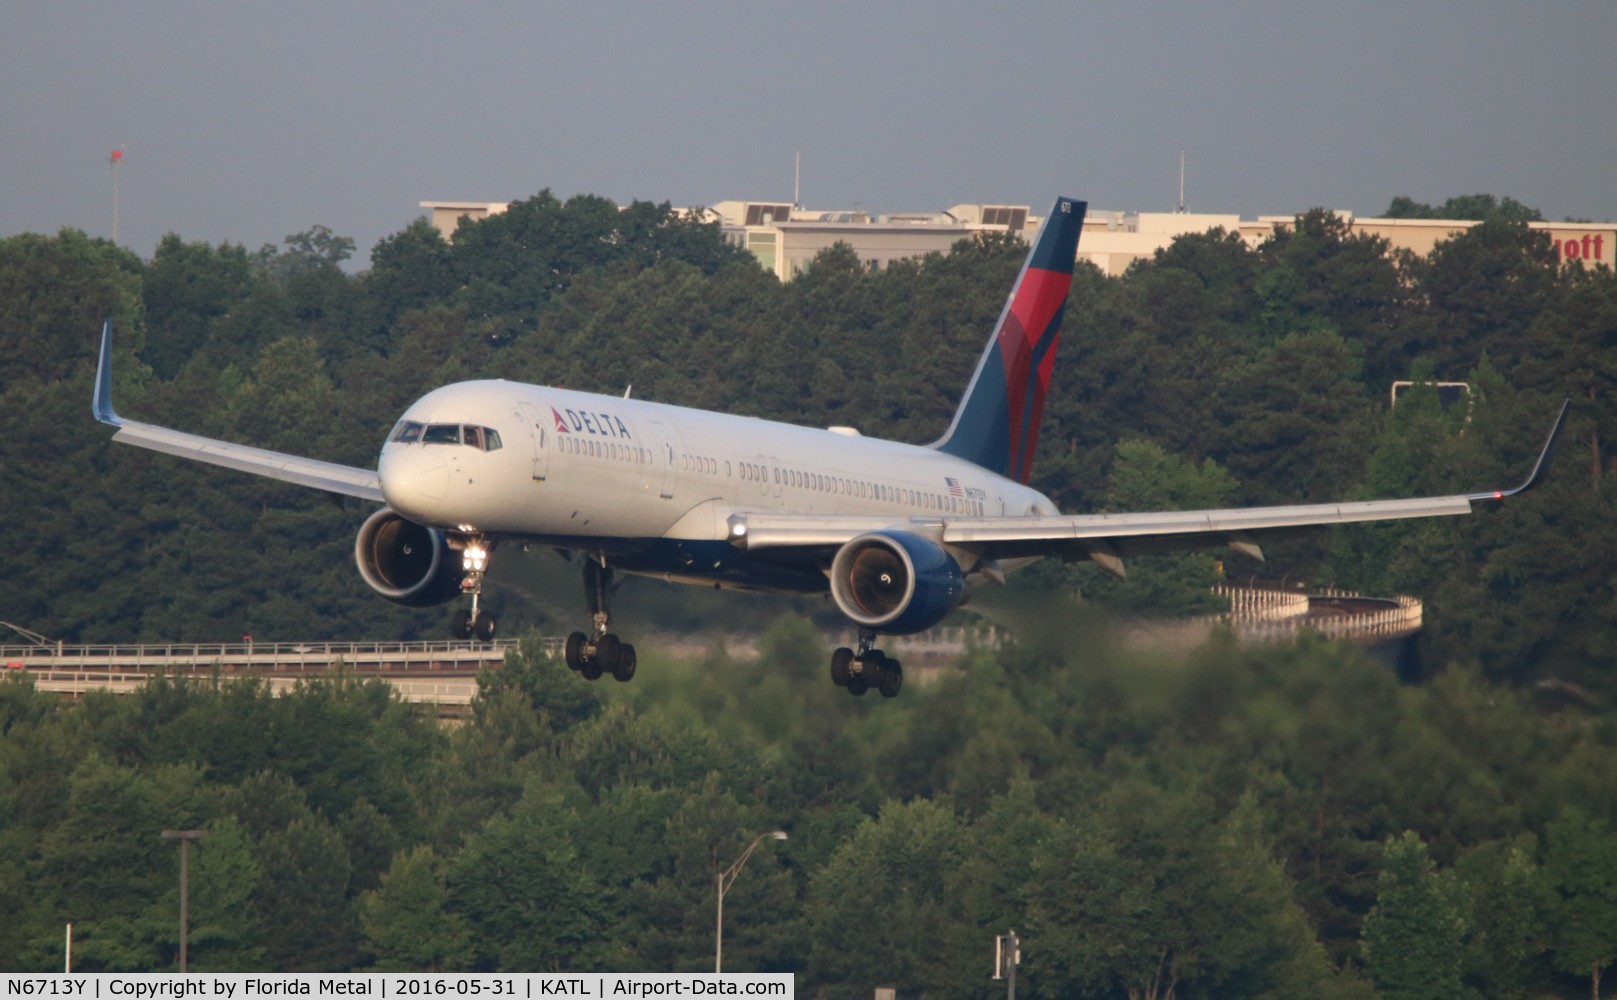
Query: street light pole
[724, 880]
[184, 837]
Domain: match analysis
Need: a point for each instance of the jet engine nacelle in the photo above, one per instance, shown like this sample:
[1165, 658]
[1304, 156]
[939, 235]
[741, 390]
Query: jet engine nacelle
[896, 583]
[407, 563]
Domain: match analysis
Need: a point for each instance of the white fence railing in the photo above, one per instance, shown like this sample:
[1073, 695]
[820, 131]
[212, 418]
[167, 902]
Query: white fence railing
[261, 657]
[1249, 604]
[440, 691]
[1270, 615]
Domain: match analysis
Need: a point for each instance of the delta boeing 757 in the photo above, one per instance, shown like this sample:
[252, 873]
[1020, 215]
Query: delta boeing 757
[897, 533]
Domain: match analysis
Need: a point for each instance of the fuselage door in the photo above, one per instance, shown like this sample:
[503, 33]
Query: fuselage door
[665, 456]
[774, 475]
[540, 434]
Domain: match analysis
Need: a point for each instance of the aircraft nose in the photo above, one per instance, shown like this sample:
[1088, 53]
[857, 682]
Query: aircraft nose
[414, 480]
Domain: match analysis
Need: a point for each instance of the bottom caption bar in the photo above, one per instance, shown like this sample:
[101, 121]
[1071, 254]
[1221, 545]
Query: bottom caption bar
[381, 986]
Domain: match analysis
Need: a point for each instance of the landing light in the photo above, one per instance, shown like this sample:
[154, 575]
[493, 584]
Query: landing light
[474, 558]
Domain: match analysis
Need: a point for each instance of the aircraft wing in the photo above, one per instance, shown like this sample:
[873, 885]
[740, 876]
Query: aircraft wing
[344, 480]
[1107, 538]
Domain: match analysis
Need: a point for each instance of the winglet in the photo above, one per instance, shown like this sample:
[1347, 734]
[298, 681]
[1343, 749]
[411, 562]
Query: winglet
[102, 404]
[1540, 467]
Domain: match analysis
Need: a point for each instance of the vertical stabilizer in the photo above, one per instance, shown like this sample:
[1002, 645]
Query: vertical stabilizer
[997, 423]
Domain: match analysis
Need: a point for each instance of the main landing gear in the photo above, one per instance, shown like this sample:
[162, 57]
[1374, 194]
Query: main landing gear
[599, 652]
[474, 563]
[866, 669]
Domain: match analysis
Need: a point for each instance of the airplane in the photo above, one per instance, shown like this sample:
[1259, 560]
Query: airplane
[897, 533]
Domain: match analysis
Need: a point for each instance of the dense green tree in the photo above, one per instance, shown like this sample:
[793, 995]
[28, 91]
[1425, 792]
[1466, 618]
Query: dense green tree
[1319, 274]
[1478, 207]
[406, 920]
[1580, 862]
[1506, 902]
[307, 921]
[411, 269]
[1481, 291]
[708, 829]
[106, 868]
[1153, 893]
[515, 264]
[1412, 936]
[55, 291]
[187, 288]
[1295, 430]
[225, 932]
[880, 911]
[528, 902]
[1162, 326]
[1571, 350]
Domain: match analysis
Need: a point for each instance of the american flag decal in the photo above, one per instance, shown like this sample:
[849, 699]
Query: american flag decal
[954, 486]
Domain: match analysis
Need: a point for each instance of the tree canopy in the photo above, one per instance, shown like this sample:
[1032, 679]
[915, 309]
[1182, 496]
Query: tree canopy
[1105, 803]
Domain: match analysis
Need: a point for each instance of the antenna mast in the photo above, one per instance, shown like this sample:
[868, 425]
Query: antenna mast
[115, 159]
[797, 181]
[1181, 182]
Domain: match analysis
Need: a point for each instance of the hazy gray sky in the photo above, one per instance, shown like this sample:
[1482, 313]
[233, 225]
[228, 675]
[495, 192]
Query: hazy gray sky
[248, 121]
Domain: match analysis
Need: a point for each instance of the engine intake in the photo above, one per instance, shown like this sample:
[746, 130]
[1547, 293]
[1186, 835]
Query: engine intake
[407, 563]
[896, 583]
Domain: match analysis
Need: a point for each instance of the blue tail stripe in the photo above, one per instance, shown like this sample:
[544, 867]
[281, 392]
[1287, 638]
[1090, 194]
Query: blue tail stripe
[982, 429]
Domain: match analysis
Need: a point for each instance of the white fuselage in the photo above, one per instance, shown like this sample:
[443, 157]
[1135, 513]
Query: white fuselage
[588, 471]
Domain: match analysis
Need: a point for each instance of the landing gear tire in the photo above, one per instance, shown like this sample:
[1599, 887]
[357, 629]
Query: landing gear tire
[599, 651]
[868, 668]
[609, 655]
[607, 651]
[461, 625]
[840, 662]
[891, 679]
[624, 671]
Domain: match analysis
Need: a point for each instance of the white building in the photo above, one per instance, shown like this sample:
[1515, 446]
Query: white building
[785, 238]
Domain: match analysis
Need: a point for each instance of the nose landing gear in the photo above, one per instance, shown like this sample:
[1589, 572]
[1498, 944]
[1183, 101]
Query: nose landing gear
[600, 651]
[474, 562]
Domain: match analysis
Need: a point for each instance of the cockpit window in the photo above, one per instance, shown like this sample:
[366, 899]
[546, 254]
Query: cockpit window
[481, 438]
[407, 431]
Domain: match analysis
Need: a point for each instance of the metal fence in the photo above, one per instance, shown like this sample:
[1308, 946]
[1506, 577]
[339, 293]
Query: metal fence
[261, 657]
